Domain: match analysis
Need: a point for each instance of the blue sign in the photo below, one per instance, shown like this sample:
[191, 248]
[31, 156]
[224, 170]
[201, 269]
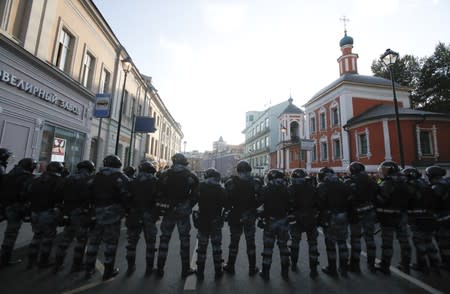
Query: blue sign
[102, 105]
[144, 124]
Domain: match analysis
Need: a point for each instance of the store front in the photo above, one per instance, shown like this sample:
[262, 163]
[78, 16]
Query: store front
[43, 113]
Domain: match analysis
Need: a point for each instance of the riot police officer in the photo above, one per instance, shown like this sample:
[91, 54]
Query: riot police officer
[109, 194]
[5, 154]
[275, 200]
[130, 171]
[304, 208]
[242, 192]
[334, 199]
[441, 190]
[45, 195]
[177, 185]
[362, 216]
[76, 202]
[392, 202]
[142, 216]
[13, 198]
[209, 221]
[422, 220]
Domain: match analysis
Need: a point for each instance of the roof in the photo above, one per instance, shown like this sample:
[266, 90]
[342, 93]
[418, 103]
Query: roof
[292, 109]
[276, 109]
[356, 79]
[388, 111]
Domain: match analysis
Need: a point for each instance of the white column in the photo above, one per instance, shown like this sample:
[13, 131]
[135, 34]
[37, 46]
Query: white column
[436, 150]
[419, 148]
[387, 141]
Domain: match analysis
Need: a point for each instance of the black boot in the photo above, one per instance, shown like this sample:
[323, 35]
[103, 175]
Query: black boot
[252, 269]
[218, 271]
[404, 267]
[313, 269]
[59, 261]
[229, 267]
[343, 267]
[285, 271]
[265, 272]
[353, 266]
[294, 260]
[330, 269]
[90, 271]
[371, 263]
[420, 266]
[383, 267]
[186, 270]
[200, 272]
[5, 259]
[149, 266]
[131, 260]
[44, 261]
[160, 267]
[76, 265]
[110, 271]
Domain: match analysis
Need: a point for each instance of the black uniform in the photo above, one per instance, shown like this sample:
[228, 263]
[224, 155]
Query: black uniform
[304, 205]
[176, 186]
[211, 200]
[242, 193]
[422, 220]
[45, 195]
[392, 203]
[109, 193]
[76, 206]
[441, 189]
[334, 204]
[363, 192]
[13, 193]
[275, 199]
[142, 217]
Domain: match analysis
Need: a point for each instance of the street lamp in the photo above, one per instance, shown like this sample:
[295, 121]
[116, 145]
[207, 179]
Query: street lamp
[184, 143]
[389, 58]
[284, 131]
[126, 66]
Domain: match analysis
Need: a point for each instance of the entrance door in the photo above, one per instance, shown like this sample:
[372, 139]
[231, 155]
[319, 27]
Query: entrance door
[16, 137]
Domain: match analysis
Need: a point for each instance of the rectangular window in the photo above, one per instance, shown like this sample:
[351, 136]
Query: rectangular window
[335, 116]
[312, 124]
[88, 70]
[267, 122]
[337, 149]
[133, 105]
[104, 82]
[314, 153]
[125, 103]
[323, 151]
[425, 143]
[5, 7]
[267, 141]
[322, 121]
[362, 144]
[262, 126]
[303, 155]
[64, 51]
[139, 110]
[257, 128]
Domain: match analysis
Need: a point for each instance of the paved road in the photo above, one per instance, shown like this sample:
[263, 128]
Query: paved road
[17, 279]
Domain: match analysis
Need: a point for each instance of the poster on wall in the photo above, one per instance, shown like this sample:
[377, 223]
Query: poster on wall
[58, 149]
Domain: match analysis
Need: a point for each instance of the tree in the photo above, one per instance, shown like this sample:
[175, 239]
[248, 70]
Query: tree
[433, 87]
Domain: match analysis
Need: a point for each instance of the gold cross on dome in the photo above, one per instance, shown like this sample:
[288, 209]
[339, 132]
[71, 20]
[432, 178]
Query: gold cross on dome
[345, 20]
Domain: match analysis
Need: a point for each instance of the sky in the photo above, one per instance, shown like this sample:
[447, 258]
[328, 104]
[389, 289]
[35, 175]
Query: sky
[213, 60]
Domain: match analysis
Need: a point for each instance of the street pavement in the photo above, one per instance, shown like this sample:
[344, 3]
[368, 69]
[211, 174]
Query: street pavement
[16, 279]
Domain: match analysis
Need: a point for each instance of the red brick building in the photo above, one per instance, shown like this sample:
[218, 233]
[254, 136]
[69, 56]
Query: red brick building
[353, 119]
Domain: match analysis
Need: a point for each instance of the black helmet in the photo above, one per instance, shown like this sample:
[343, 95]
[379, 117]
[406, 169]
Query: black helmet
[388, 167]
[28, 164]
[55, 167]
[323, 172]
[275, 174]
[4, 154]
[243, 166]
[356, 167]
[212, 173]
[87, 165]
[299, 173]
[435, 171]
[412, 173]
[112, 161]
[147, 167]
[129, 171]
[179, 158]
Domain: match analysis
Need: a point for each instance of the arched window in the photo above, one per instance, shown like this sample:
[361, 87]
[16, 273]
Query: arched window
[295, 131]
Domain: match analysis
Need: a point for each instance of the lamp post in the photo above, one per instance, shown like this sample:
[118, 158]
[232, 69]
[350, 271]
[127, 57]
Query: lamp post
[283, 132]
[389, 58]
[126, 65]
[184, 143]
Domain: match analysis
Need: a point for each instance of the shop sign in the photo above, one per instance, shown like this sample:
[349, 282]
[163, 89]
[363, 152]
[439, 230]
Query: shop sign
[58, 149]
[307, 144]
[102, 105]
[34, 90]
